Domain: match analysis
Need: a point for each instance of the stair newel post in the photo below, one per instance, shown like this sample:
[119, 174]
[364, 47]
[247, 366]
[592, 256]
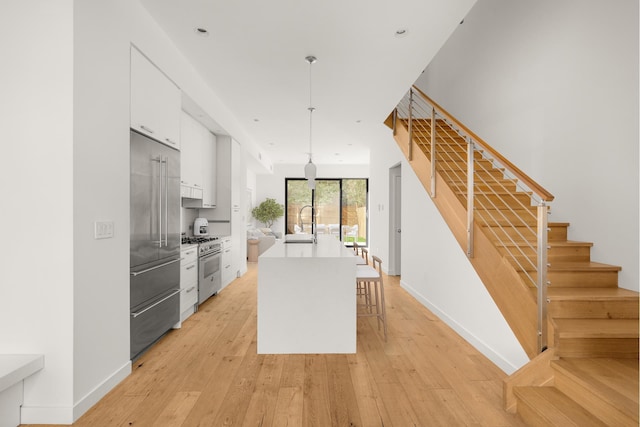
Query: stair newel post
[395, 118]
[470, 193]
[433, 152]
[541, 282]
[410, 155]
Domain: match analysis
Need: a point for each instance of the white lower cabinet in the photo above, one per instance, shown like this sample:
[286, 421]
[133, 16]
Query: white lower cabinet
[228, 272]
[188, 281]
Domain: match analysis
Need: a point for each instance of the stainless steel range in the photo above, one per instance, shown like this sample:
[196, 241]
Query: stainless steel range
[209, 265]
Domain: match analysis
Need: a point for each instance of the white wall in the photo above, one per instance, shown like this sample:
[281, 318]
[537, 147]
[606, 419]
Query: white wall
[36, 182]
[384, 155]
[100, 191]
[553, 85]
[272, 185]
[251, 186]
[437, 272]
[434, 268]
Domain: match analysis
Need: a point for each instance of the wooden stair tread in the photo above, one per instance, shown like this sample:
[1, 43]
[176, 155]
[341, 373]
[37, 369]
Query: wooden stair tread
[614, 381]
[552, 243]
[550, 224]
[554, 408]
[582, 266]
[498, 192]
[590, 294]
[575, 266]
[570, 243]
[596, 328]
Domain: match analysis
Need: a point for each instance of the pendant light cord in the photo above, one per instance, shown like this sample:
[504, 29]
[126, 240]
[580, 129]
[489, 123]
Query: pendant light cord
[310, 60]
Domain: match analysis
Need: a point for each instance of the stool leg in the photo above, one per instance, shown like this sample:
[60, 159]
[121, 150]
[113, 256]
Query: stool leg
[384, 309]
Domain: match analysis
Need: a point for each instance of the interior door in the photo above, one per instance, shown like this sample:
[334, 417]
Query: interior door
[395, 220]
[397, 255]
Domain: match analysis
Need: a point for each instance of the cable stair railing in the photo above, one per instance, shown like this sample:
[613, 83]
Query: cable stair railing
[510, 207]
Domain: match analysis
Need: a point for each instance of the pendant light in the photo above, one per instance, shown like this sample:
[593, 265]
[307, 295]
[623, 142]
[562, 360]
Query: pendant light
[310, 168]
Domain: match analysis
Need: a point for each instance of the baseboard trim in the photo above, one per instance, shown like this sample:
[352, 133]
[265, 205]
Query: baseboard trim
[68, 414]
[481, 346]
[91, 398]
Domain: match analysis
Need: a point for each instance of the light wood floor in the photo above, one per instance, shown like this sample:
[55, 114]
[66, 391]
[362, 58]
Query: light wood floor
[208, 374]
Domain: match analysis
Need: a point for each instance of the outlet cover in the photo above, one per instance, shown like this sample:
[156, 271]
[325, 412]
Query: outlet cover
[103, 229]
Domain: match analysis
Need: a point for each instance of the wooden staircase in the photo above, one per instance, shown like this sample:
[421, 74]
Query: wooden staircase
[589, 374]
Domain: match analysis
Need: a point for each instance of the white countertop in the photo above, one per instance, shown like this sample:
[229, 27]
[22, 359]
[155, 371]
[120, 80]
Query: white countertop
[327, 247]
[16, 367]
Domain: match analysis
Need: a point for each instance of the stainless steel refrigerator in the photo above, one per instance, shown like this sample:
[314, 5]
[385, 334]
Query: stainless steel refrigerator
[154, 241]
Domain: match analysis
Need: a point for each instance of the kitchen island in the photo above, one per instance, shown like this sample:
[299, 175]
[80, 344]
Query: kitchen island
[307, 298]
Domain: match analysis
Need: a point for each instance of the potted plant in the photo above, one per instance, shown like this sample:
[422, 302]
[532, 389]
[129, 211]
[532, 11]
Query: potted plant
[268, 211]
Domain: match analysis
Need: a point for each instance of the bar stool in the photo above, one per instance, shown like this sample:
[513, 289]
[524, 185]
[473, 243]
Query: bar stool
[366, 277]
[356, 252]
[365, 255]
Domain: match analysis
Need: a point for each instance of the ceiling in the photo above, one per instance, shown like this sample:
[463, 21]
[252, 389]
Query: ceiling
[254, 60]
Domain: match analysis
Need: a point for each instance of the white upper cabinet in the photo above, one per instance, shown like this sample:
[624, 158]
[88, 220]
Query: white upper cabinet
[198, 165]
[209, 168]
[155, 102]
[222, 212]
[237, 172]
[191, 137]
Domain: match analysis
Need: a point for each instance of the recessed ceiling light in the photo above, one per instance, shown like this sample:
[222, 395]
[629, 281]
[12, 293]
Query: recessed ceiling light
[201, 32]
[358, 121]
[256, 120]
[402, 32]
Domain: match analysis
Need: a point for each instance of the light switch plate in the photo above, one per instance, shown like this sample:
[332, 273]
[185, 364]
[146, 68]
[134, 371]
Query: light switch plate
[103, 229]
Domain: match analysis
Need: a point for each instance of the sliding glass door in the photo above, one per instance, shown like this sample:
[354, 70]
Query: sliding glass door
[340, 206]
[354, 211]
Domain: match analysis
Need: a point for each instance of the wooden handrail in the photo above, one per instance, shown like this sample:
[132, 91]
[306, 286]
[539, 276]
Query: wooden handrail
[530, 183]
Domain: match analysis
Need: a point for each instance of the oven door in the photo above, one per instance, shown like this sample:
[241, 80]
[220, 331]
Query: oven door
[209, 276]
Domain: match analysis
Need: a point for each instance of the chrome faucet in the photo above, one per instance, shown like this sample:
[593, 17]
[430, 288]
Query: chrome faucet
[314, 229]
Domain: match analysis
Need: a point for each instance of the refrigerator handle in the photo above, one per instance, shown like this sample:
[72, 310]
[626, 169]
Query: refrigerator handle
[159, 201]
[137, 273]
[166, 201]
[136, 314]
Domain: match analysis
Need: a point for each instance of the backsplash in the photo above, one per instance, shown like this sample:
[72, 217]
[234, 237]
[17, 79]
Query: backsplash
[216, 228]
[188, 217]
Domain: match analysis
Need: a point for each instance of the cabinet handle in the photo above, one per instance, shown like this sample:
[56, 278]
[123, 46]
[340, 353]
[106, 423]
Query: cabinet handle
[196, 185]
[190, 289]
[148, 129]
[190, 267]
[188, 252]
[170, 141]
